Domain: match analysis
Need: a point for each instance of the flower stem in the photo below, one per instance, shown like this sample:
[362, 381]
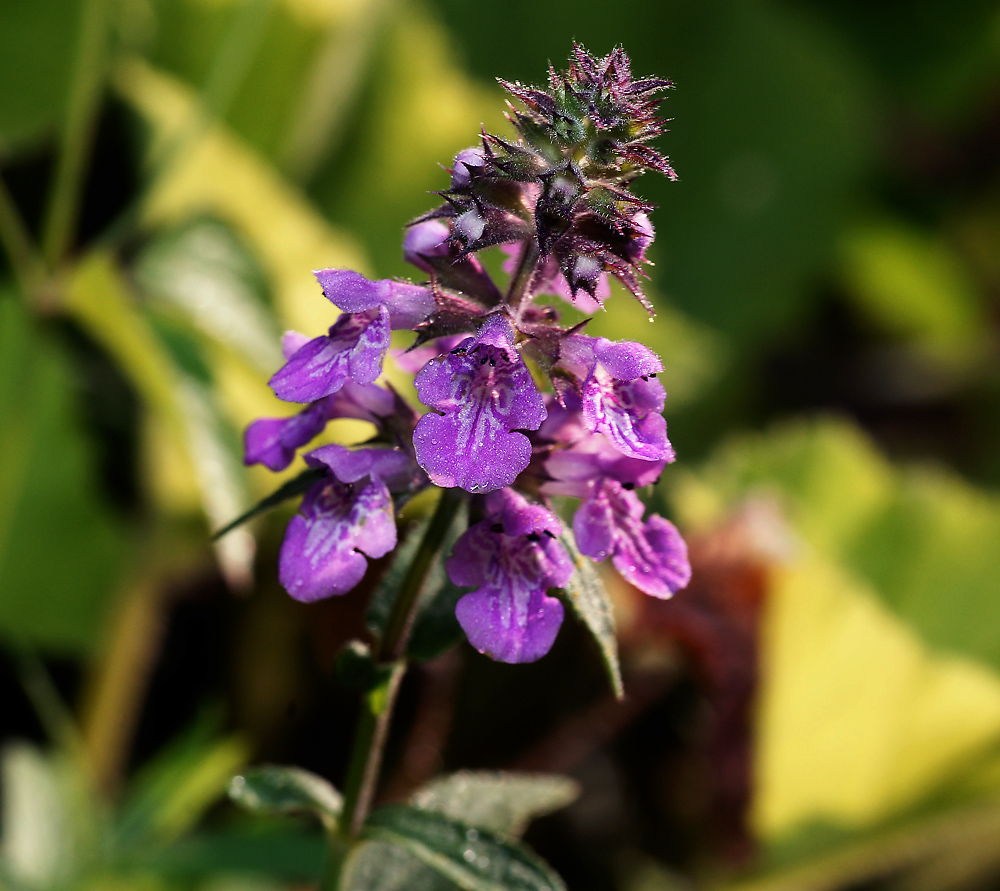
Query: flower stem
[522, 277]
[376, 711]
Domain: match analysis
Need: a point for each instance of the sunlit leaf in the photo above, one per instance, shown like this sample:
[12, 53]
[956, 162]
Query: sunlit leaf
[587, 597]
[858, 719]
[501, 802]
[38, 839]
[183, 408]
[172, 792]
[277, 789]
[474, 859]
[912, 284]
[218, 174]
[928, 542]
[878, 644]
[379, 866]
[418, 98]
[205, 275]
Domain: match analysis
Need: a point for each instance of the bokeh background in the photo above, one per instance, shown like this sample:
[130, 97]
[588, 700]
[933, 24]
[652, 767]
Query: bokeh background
[819, 710]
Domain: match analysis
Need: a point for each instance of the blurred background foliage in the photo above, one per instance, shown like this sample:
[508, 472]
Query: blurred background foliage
[820, 710]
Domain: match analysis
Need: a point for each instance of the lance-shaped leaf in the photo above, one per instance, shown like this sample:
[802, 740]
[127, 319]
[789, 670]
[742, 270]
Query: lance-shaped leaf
[504, 803]
[379, 866]
[275, 789]
[204, 276]
[587, 597]
[296, 486]
[474, 859]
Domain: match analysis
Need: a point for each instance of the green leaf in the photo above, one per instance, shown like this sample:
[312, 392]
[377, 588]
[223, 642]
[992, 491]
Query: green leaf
[184, 408]
[59, 543]
[880, 695]
[276, 789]
[39, 844]
[36, 50]
[916, 286]
[173, 791]
[501, 802]
[927, 541]
[202, 273]
[587, 597]
[379, 866]
[474, 859]
[284, 492]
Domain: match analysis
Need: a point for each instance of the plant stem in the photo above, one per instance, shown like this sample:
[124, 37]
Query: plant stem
[404, 608]
[376, 711]
[522, 277]
[78, 132]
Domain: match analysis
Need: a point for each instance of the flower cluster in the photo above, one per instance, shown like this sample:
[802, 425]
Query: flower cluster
[556, 199]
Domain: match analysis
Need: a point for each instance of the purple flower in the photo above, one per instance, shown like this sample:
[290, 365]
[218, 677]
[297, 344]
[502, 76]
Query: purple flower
[485, 393]
[426, 240]
[620, 393]
[650, 555]
[512, 558]
[466, 161]
[344, 517]
[352, 350]
[408, 305]
[576, 469]
[273, 442]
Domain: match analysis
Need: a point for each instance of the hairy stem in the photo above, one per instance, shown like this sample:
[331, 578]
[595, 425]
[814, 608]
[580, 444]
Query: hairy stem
[522, 276]
[376, 711]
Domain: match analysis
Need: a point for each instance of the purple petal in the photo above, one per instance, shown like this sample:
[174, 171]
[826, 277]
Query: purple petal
[349, 290]
[641, 239]
[510, 626]
[628, 414]
[471, 449]
[365, 402]
[313, 563]
[292, 342]
[466, 160]
[351, 465]
[427, 239]
[408, 305]
[512, 558]
[319, 556]
[353, 350]
[274, 441]
[661, 568]
[625, 360]
[651, 555]
[485, 392]
[594, 528]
